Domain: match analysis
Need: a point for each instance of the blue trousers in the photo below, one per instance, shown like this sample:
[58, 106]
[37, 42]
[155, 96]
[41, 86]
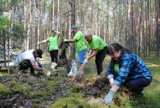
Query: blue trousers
[135, 85]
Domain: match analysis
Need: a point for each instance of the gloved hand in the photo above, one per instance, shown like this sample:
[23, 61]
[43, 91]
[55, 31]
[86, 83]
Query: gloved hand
[111, 84]
[85, 61]
[109, 97]
[65, 41]
[39, 65]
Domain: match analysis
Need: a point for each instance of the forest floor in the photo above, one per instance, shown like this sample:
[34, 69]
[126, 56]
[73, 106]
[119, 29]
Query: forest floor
[26, 90]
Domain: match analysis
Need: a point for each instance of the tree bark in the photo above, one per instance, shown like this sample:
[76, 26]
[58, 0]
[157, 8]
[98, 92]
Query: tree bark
[157, 33]
[73, 20]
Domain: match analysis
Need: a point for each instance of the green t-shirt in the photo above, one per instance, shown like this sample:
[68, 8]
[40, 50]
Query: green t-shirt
[97, 43]
[53, 42]
[116, 68]
[80, 41]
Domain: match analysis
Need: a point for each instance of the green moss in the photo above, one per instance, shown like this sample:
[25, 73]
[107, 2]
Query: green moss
[35, 94]
[21, 88]
[35, 105]
[4, 89]
[75, 100]
[47, 94]
[74, 89]
[52, 83]
[3, 72]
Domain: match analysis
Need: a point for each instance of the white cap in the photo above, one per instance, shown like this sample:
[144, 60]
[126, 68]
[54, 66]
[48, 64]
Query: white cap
[88, 32]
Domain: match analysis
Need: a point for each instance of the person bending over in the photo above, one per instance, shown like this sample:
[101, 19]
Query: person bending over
[28, 59]
[126, 69]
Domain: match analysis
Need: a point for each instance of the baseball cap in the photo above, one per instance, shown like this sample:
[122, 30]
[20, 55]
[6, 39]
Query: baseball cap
[53, 31]
[88, 32]
[73, 27]
[39, 52]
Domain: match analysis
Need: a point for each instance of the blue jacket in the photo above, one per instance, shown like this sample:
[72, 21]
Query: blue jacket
[130, 67]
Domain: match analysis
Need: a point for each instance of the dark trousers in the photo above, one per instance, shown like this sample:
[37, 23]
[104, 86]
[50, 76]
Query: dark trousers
[135, 85]
[54, 55]
[25, 64]
[99, 60]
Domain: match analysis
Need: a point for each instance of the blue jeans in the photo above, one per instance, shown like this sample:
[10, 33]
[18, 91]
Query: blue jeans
[81, 56]
[137, 84]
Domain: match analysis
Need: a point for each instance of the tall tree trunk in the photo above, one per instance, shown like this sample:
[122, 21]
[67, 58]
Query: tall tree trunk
[128, 26]
[30, 27]
[52, 14]
[73, 4]
[58, 15]
[157, 32]
[26, 42]
[108, 21]
[133, 33]
[115, 22]
[148, 28]
[139, 28]
[103, 22]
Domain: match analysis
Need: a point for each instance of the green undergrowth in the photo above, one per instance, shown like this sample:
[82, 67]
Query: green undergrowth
[75, 100]
[4, 89]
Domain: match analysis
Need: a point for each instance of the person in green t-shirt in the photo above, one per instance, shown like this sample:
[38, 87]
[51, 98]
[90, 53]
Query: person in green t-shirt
[53, 48]
[80, 44]
[99, 50]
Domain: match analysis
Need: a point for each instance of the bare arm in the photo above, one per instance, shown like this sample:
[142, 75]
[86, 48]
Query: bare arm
[93, 54]
[42, 41]
[71, 40]
[57, 32]
[111, 80]
[88, 58]
[35, 67]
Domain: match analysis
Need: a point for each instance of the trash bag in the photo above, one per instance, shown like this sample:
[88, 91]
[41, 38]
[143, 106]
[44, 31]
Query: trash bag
[62, 61]
[73, 71]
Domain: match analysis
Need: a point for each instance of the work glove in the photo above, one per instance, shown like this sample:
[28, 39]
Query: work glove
[111, 84]
[85, 61]
[65, 41]
[39, 65]
[109, 97]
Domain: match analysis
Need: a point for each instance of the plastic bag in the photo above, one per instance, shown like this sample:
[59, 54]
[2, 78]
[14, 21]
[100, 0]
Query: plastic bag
[73, 71]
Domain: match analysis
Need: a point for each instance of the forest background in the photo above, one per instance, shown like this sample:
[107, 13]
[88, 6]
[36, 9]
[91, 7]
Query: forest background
[132, 23]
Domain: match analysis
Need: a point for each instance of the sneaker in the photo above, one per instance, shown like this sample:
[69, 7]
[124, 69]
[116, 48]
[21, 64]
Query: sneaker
[141, 94]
